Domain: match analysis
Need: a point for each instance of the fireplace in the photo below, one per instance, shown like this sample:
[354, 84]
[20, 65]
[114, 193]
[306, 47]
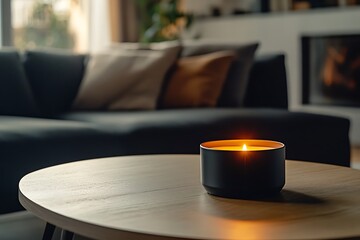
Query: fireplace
[331, 70]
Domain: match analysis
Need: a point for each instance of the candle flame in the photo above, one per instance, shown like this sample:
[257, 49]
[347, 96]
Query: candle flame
[244, 148]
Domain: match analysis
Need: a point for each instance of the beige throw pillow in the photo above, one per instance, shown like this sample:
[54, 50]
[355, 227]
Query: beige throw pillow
[120, 78]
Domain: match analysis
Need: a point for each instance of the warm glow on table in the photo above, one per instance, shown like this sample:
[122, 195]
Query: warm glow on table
[119, 198]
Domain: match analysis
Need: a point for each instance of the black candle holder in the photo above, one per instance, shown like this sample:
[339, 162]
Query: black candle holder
[228, 170]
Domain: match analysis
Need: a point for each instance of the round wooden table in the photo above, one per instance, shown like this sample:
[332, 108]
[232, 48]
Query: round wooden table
[161, 197]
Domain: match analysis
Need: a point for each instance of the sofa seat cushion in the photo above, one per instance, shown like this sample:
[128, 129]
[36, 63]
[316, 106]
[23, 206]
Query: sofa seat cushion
[28, 144]
[306, 136]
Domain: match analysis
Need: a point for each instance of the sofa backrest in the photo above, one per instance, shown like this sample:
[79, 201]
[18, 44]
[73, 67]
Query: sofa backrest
[252, 81]
[16, 97]
[53, 78]
[235, 85]
[267, 86]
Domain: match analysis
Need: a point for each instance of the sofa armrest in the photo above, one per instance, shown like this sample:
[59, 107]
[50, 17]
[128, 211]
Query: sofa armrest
[267, 86]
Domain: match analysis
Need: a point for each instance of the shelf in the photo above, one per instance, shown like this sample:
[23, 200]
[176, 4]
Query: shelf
[287, 13]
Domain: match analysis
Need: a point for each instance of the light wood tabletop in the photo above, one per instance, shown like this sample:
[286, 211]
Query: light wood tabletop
[161, 197]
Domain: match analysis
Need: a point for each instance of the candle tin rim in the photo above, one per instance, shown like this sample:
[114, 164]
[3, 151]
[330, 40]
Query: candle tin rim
[203, 145]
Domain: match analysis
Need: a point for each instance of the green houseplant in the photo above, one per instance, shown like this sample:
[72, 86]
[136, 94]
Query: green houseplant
[162, 20]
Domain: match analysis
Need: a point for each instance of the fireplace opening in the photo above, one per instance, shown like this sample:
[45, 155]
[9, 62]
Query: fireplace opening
[331, 70]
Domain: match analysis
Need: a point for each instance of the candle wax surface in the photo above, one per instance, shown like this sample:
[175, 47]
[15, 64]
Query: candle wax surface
[240, 148]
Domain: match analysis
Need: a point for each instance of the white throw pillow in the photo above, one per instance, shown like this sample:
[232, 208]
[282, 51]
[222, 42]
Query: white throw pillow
[125, 78]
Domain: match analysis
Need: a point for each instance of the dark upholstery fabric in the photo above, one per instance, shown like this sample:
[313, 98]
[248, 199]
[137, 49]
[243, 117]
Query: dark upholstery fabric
[55, 78]
[267, 85]
[28, 144]
[15, 94]
[235, 85]
[308, 137]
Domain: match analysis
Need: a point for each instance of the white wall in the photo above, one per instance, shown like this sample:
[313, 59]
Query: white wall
[282, 33]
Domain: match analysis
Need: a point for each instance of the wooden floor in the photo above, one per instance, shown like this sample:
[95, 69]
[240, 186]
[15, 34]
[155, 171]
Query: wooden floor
[355, 157]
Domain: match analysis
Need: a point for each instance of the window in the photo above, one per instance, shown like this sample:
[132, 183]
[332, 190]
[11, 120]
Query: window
[50, 23]
[78, 25]
[1, 25]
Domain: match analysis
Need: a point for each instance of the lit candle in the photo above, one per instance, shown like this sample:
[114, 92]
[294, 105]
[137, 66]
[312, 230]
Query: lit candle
[242, 168]
[244, 147]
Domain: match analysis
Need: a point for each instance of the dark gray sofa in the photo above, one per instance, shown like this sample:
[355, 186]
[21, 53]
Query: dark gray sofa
[53, 134]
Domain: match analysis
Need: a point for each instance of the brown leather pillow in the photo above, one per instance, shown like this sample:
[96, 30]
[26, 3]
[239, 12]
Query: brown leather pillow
[236, 82]
[198, 80]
